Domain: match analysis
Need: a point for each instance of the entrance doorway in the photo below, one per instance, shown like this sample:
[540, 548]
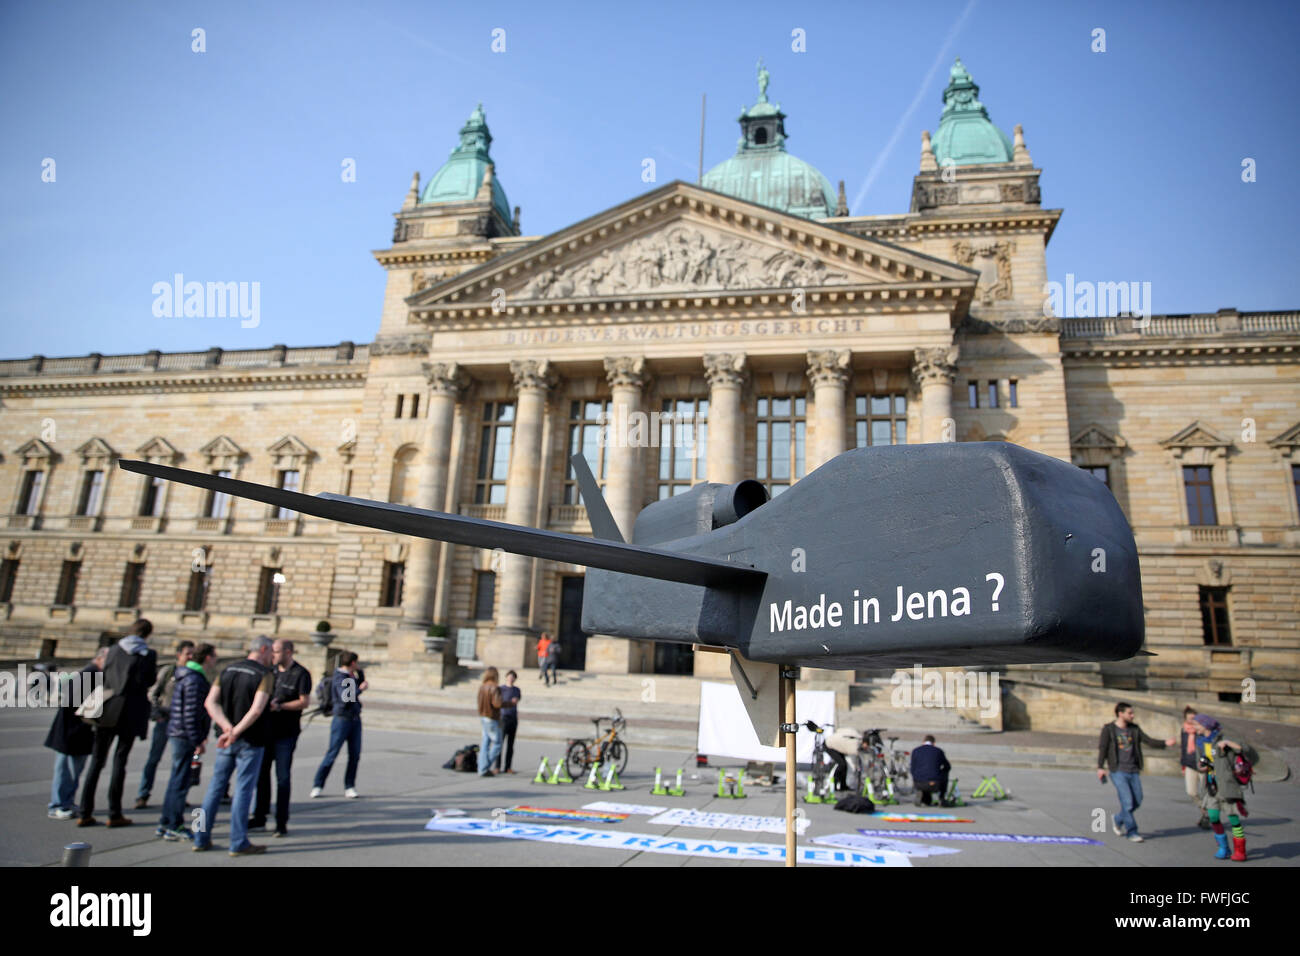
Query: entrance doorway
[573, 642]
[674, 658]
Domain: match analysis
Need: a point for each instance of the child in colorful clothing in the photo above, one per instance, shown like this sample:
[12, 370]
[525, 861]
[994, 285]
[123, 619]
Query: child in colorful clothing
[1223, 791]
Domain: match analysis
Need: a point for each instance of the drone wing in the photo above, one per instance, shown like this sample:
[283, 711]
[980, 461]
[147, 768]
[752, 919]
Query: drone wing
[458, 529]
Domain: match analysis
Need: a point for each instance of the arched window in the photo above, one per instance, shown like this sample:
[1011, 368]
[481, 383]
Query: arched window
[401, 490]
[760, 136]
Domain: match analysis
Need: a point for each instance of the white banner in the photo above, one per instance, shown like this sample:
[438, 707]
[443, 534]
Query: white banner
[680, 817]
[670, 845]
[640, 809]
[725, 730]
[853, 841]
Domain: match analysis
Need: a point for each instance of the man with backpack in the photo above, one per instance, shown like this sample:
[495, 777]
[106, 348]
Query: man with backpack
[1228, 768]
[344, 705]
[1120, 752]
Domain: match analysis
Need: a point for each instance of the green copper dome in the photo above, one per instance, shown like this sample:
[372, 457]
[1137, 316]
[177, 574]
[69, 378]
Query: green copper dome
[462, 174]
[966, 135]
[763, 172]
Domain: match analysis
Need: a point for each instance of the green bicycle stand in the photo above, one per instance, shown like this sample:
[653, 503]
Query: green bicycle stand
[953, 797]
[883, 800]
[541, 772]
[660, 790]
[591, 777]
[812, 796]
[611, 781]
[737, 785]
[989, 787]
[560, 774]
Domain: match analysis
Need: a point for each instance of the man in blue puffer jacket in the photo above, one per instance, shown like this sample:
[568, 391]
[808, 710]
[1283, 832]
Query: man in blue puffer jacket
[187, 727]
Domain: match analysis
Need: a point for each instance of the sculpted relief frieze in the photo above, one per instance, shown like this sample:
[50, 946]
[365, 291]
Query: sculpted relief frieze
[682, 259]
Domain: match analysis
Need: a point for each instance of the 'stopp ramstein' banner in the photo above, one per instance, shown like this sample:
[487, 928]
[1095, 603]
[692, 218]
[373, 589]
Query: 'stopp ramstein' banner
[670, 845]
[681, 817]
[984, 837]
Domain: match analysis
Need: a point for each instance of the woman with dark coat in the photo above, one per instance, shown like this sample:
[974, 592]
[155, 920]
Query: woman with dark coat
[71, 739]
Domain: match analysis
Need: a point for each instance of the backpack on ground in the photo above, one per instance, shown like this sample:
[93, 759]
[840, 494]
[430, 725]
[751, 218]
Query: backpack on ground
[464, 760]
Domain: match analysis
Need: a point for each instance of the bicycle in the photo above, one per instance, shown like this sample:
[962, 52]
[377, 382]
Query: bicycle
[887, 771]
[603, 748]
[822, 790]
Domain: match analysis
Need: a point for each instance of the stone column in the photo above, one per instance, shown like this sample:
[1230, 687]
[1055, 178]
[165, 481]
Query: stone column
[725, 373]
[829, 370]
[446, 382]
[624, 480]
[935, 370]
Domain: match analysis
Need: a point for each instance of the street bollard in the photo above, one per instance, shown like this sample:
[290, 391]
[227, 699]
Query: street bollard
[76, 854]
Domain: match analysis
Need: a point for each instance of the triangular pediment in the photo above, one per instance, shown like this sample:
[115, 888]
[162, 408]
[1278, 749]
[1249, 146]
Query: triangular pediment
[1196, 435]
[1288, 439]
[221, 447]
[34, 448]
[290, 446]
[158, 447]
[683, 239]
[1094, 436]
[95, 448]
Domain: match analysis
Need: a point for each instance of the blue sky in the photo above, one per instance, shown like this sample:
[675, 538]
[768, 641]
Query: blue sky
[225, 165]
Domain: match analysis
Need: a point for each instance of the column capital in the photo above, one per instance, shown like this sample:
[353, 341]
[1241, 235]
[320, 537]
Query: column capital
[725, 368]
[626, 370]
[533, 374]
[937, 365]
[445, 378]
[829, 366]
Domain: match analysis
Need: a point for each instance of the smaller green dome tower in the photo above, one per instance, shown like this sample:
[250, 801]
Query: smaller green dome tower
[462, 174]
[966, 135]
[762, 171]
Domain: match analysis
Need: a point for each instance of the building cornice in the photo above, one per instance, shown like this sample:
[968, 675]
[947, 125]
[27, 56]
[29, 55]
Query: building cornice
[135, 385]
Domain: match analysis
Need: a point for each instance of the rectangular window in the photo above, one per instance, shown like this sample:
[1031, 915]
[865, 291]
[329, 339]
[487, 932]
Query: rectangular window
[1214, 616]
[92, 490]
[780, 439]
[268, 591]
[1200, 495]
[993, 393]
[30, 498]
[586, 421]
[196, 596]
[152, 500]
[415, 406]
[494, 453]
[8, 575]
[485, 592]
[683, 444]
[1012, 398]
[288, 481]
[391, 595]
[218, 504]
[973, 393]
[131, 581]
[400, 400]
[880, 420]
[67, 590]
[1100, 472]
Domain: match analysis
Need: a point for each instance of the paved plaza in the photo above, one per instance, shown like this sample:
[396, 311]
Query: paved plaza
[401, 782]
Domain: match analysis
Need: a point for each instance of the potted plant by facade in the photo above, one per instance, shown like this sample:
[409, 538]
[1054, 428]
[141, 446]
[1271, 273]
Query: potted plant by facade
[436, 639]
[322, 637]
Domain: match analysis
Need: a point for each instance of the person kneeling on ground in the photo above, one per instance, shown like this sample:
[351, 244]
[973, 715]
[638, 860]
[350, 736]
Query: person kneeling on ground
[930, 772]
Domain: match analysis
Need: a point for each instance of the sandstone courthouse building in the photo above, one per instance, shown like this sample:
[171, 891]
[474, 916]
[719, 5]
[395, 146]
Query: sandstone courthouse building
[758, 327]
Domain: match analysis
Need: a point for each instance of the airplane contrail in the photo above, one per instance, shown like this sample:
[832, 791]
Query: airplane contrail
[916, 101]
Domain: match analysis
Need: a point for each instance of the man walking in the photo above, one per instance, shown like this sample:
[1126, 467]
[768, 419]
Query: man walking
[237, 705]
[550, 670]
[1120, 751]
[129, 672]
[345, 689]
[290, 696]
[160, 701]
[187, 728]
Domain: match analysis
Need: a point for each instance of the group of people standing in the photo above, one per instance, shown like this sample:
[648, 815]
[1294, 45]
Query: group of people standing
[254, 707]
[1215, 772]
[498, 708]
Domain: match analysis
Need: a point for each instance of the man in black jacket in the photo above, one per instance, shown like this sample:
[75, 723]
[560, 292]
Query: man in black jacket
[129, 672]
[1120, 751]
[930, 769]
